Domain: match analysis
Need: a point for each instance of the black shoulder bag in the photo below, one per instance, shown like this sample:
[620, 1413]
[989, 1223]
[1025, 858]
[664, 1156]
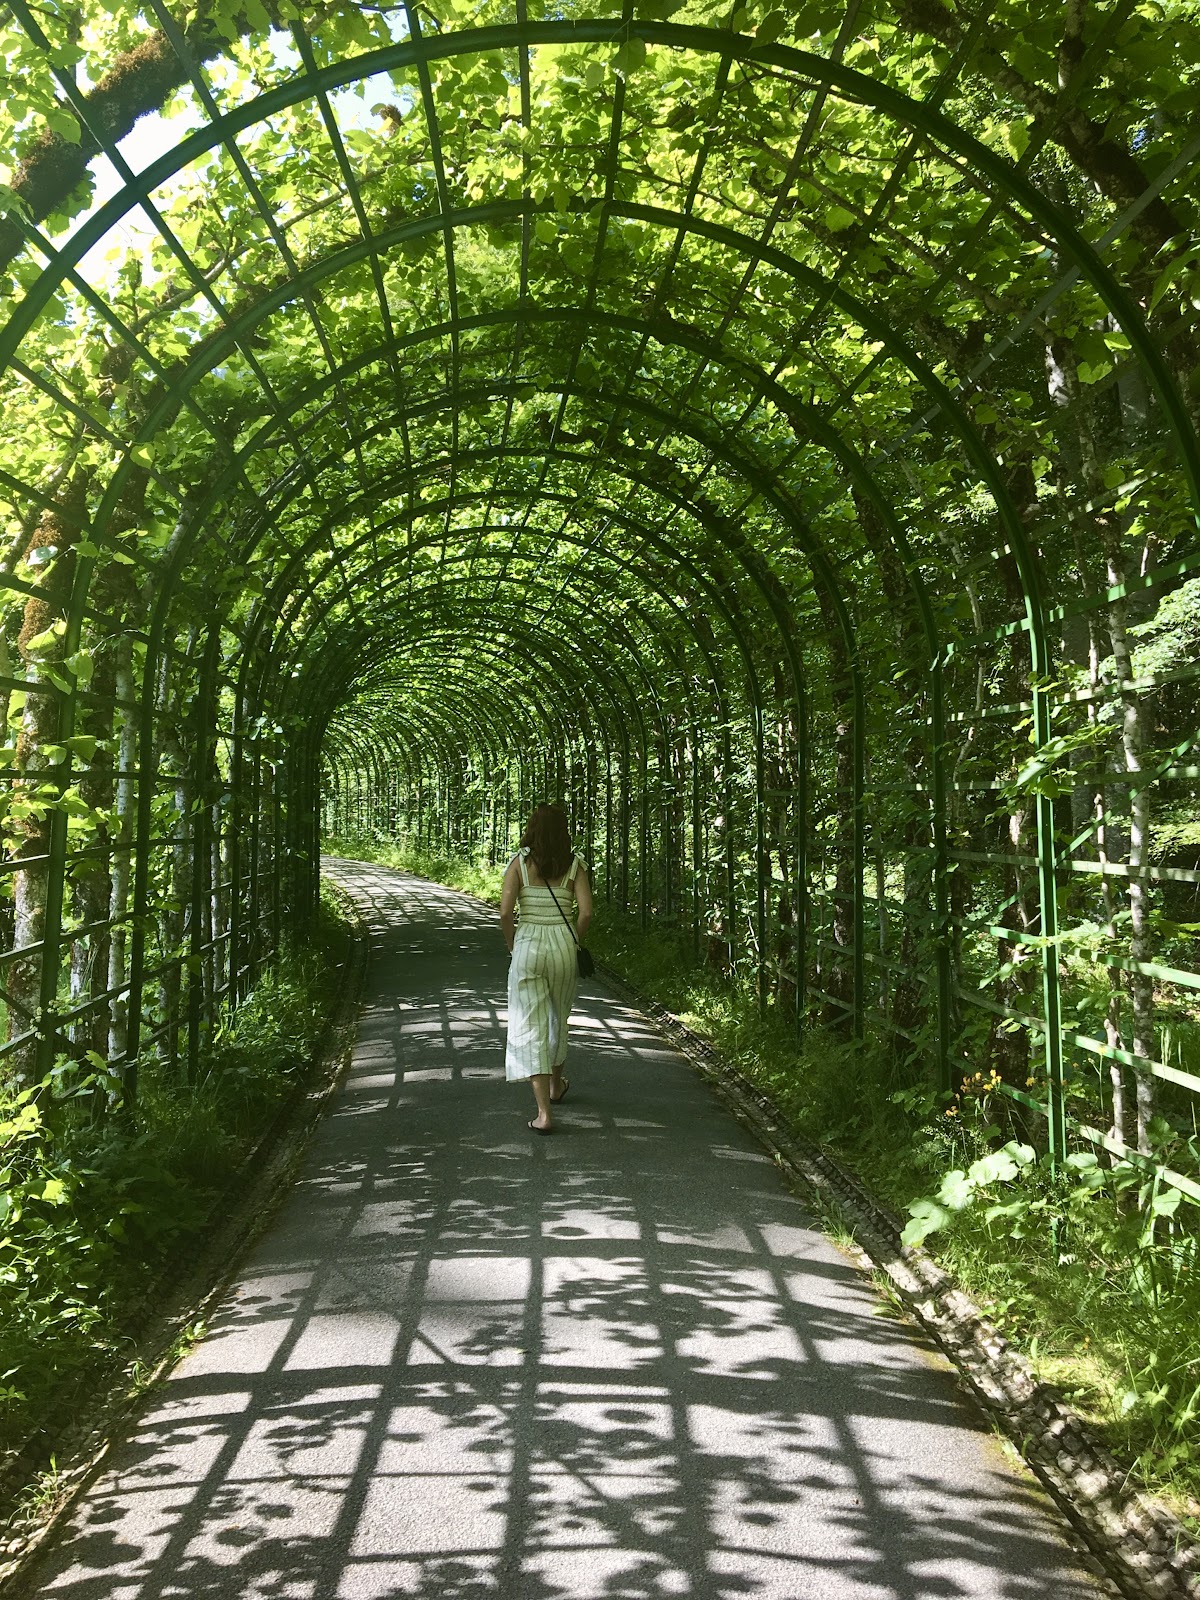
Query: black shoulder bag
[583, 958]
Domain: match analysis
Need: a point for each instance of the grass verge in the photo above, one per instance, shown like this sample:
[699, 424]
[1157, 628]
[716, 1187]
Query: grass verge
[98, 1202]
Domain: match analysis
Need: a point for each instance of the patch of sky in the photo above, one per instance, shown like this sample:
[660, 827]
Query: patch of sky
[156, 135]
[152, 137]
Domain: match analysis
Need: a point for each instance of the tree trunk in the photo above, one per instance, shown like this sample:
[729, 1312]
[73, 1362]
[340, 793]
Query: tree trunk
[125, 807]
[92, 882]
[37, 780]
[1104, 529]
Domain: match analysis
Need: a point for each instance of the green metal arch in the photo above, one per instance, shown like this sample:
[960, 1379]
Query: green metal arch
[1001, 174]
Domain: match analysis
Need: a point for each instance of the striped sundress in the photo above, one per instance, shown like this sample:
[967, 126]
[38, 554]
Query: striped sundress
[542, 978]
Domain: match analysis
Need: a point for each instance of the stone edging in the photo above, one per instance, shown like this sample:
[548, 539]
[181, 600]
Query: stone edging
[1140, 1547]
[246, 1207]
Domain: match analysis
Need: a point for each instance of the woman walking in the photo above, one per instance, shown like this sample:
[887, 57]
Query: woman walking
[547, 882]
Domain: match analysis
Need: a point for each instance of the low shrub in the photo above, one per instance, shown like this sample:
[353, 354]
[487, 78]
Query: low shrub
[97, 1197]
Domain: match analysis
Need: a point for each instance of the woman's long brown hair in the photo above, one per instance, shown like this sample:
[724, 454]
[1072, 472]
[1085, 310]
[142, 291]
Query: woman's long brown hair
[548, 841]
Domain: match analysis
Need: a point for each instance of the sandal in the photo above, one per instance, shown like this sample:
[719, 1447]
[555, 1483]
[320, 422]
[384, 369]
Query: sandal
[557, 1099]
[534, 1129]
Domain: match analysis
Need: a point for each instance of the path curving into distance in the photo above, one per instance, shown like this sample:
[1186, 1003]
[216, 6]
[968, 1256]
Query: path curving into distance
[465, 1361]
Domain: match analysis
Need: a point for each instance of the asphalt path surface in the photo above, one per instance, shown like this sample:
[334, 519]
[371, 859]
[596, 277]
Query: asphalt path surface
[620, 1360]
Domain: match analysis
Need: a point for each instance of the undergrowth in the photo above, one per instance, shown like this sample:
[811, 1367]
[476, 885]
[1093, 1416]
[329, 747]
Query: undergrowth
[96, 1198]
[1091, 1272]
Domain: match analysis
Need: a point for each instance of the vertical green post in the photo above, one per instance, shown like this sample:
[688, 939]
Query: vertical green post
[858, 826]
[941, 862]
[1048, 903]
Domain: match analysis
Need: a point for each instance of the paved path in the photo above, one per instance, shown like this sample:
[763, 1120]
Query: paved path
[468, 1362]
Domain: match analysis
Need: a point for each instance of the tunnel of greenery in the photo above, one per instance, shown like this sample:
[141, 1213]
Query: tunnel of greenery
[770, 431]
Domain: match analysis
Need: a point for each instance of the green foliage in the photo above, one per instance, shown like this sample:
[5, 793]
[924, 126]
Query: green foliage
[1092, 1271]
[94, 1203]
[959, 1189]
[1172, 638]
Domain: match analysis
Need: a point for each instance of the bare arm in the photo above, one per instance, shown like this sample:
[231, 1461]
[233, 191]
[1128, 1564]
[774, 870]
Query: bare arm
[583, 895]
[509, 890]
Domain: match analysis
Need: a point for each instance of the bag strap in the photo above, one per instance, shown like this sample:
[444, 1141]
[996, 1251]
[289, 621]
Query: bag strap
[564, 916]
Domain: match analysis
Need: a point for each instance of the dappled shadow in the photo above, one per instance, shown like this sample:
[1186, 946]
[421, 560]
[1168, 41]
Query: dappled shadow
[467, 1362]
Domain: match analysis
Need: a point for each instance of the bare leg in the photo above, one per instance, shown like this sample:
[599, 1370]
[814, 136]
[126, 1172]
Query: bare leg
[556, 1083]
[541, 1093]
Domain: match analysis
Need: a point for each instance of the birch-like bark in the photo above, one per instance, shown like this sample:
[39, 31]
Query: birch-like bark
[1105, 529]
[1017, 968]
[36, 772]
[122, 857]
[89, 949]
[1141, 988]
[1119, 1115]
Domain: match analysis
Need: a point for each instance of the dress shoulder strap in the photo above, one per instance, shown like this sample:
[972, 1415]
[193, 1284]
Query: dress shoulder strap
[520, 858]
[576, 863]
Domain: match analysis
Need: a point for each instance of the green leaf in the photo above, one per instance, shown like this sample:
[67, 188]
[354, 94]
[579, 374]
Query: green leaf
[1016, 137]
[631, 57]
[1024, 1155]
[1178, 268]
[1009, 1212]
[956, 1190]
[46, 640]
[998, 1167]
[82, 666]
[1082, 1160]
[64, 124]
[11, 204]
[926, 1217]
[838, 219]
[1159, 1131]
[772, 27]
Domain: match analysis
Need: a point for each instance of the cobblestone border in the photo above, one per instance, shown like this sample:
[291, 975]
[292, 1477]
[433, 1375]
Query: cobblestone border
[1138, 1545]
[185, 1297]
